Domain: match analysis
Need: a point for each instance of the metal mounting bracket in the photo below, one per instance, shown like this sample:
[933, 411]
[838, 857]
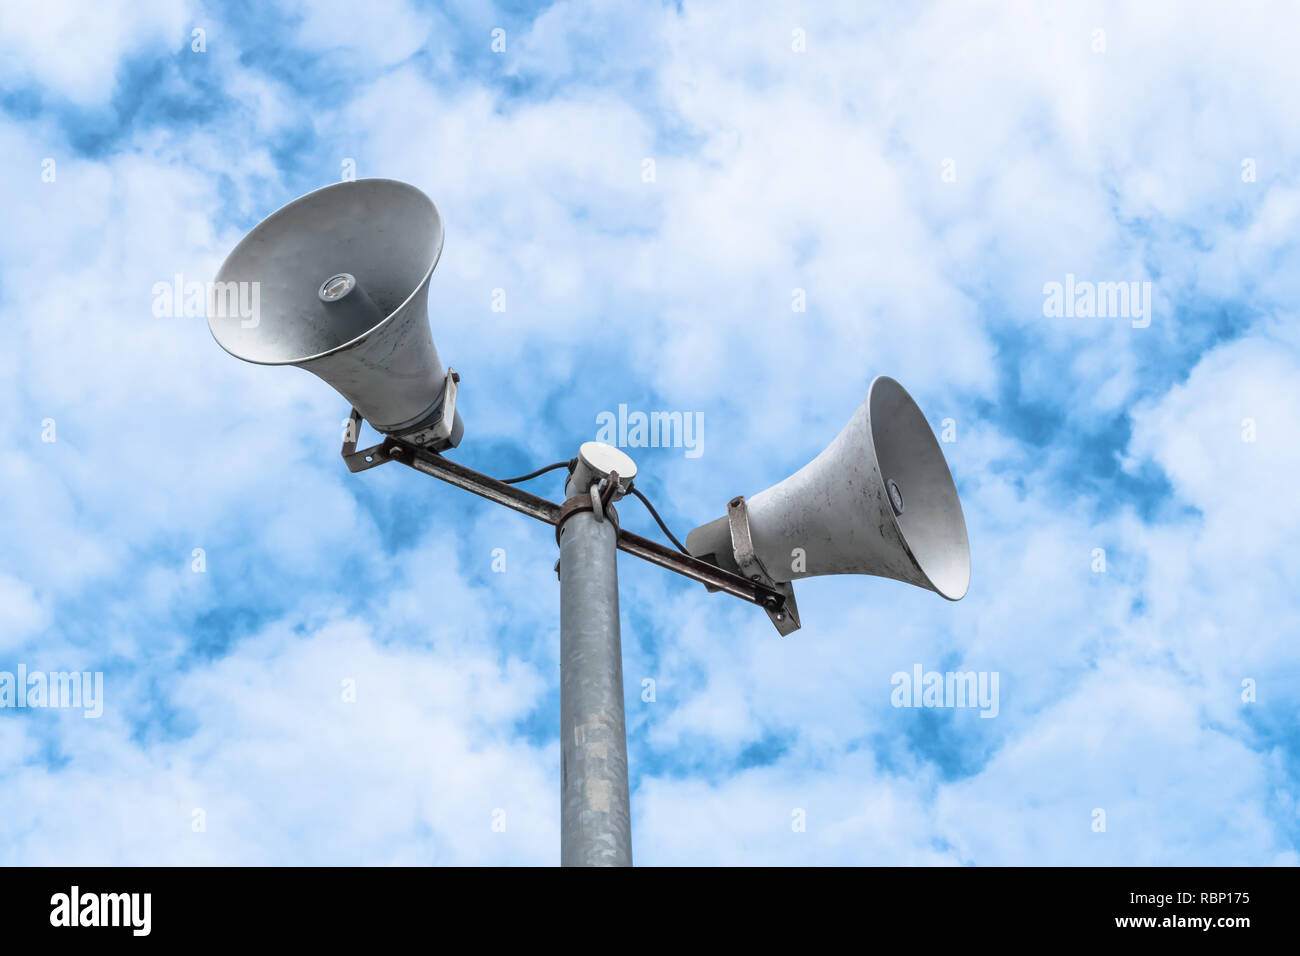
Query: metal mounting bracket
[786, 615]
[776, 599]
[434, 437]
[588, 502]
[367, 457]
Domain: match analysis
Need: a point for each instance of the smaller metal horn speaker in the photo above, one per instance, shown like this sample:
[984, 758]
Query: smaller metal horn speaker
[879, 500]
[340, 281]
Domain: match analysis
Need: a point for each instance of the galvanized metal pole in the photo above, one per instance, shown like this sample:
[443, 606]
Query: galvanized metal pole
[595, 811]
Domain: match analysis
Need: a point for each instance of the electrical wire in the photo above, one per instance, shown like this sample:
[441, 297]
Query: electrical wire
[658, 520]
[631, 488]
[539, 471]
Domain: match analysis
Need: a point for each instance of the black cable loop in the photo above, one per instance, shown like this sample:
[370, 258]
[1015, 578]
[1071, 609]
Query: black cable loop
[540, 471]
[658, 520]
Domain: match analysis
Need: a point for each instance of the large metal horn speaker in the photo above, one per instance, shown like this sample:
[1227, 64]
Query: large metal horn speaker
[879, 500]
[342, 284]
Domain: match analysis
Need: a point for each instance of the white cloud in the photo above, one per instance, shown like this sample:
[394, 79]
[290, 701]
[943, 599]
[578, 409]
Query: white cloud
[281, 767]
[774, 170]
[75, 50]
[21, 613]
[389, 32]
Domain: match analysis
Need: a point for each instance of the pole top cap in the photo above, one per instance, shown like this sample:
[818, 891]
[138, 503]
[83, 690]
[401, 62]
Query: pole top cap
[596, 460]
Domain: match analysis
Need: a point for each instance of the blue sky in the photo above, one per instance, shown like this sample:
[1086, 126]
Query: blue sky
[921, 174]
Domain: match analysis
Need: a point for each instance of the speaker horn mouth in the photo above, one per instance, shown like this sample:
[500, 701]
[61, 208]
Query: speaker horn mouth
[910, 461]
[328, 234]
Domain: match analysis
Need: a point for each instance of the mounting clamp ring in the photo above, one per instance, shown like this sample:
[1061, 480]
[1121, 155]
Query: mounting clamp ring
[784, 615]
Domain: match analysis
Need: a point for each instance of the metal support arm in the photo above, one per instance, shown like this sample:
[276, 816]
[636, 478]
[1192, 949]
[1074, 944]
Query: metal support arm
[766, 595]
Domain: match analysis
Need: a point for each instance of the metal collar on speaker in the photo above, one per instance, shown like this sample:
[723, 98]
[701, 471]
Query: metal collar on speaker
[436, 430]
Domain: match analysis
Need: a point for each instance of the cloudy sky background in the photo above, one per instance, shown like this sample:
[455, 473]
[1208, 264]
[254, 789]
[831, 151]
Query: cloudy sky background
[775, 169]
